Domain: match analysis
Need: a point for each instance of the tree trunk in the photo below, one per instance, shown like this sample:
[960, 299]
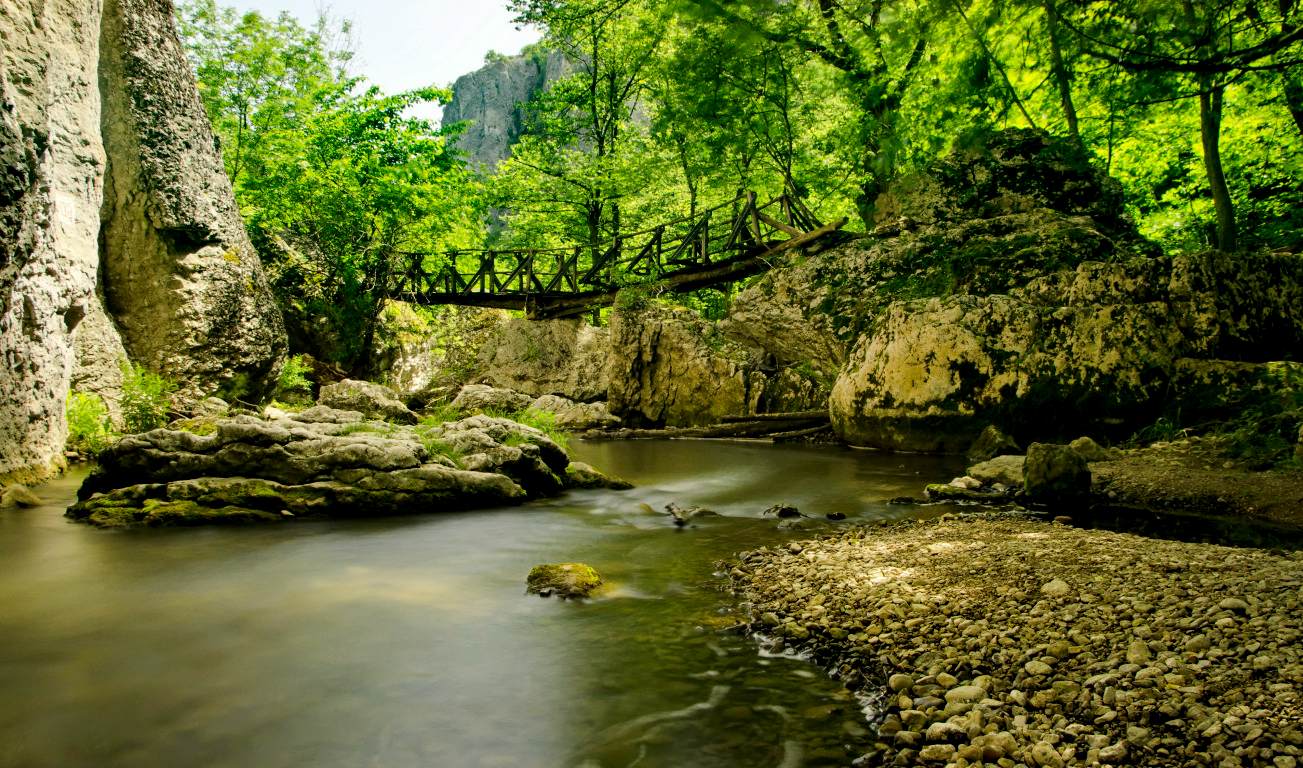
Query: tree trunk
[1060, 71]
[1294, 98]
[1210, 129]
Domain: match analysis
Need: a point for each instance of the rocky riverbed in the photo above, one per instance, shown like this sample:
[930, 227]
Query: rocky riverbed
[996, 640]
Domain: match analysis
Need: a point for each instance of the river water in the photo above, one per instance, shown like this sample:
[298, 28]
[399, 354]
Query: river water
[410, 641]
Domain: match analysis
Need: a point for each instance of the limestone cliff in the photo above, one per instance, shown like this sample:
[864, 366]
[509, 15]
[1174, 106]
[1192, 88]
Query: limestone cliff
[491, 102]
[181, 279]
[108, 170]
[50, 191]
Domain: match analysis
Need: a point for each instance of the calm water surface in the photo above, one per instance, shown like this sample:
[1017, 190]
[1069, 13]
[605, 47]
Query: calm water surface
[410, 641]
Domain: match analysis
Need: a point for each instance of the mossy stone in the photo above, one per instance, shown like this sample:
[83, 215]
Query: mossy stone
[563, 580]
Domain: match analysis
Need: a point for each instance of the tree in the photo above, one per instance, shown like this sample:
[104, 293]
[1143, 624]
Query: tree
[339, 186]
[1197, 50]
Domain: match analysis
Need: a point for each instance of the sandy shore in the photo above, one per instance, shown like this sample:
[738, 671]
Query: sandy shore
[1006, 642]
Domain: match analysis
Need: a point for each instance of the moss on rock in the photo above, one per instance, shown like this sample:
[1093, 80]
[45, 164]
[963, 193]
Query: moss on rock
[565, 580]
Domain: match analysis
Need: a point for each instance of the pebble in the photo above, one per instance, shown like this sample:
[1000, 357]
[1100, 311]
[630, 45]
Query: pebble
[1143, 661]
[1055, 588]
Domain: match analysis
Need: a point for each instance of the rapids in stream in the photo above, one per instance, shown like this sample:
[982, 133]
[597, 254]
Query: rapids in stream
[410, 641]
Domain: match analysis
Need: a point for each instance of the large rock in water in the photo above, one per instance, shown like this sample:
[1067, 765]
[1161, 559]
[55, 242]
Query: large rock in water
[79, 79]
[318, 463]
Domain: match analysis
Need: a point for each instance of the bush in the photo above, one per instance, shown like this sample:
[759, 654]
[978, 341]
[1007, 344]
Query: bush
[293, 378]
[146, 399]
[89, 428]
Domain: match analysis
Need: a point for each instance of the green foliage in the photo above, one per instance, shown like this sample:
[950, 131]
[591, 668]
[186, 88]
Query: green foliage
[146, 399]
[441, 413]
[90, 430]
[545, 422]
[293, 382]
[338, 182]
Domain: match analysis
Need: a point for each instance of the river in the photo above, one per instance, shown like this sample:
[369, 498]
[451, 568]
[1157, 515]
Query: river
[410, 641]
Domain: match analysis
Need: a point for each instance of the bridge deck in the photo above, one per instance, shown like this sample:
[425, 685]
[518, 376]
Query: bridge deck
[682, 255]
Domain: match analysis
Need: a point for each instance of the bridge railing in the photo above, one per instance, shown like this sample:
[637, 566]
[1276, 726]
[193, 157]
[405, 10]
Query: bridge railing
[738, 228]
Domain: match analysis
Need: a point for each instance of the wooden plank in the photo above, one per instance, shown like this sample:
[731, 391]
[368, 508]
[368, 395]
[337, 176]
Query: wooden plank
[776, 224]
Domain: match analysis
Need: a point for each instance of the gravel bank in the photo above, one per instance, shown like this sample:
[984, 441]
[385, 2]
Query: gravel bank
[1000, 641]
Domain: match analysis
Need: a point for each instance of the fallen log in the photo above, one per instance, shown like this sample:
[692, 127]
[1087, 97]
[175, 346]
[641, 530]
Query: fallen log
[819, 415]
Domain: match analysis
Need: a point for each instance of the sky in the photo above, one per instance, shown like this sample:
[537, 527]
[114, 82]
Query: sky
[404, 44]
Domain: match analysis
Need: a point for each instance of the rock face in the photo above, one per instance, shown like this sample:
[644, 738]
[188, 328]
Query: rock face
[1005, 287]
[51, 176]
[491, 101]
[181, 279]
[321, 462]
[670, 367]
[547, 357]
[79, 79]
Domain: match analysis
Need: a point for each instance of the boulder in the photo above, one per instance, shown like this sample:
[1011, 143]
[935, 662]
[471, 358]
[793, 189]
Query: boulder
[478, 398]
[19, 496]
[991, 442]
[573, 417]
[1005, 470]
[1055, 474]
[565, 580]
[372, 400]
[318, 463]
[1091, 451]
[581, 475]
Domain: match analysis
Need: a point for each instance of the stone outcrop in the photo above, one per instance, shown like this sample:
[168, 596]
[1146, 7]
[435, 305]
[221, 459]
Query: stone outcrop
[181, 279]
[103, 141]
[1005, 287]
[547, 357]
[321, 462]
[371, 400]
[670, 367]
[491, 101]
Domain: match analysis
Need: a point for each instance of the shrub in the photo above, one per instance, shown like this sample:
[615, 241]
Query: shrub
[89, 428]
[293, 378]
[146, 399]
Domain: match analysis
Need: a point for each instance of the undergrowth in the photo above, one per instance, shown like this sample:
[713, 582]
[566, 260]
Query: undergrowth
[146, 398]
[90, 430]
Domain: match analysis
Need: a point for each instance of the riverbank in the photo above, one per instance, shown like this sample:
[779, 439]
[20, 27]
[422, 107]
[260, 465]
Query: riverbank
[1005, 641]
[1194, 474]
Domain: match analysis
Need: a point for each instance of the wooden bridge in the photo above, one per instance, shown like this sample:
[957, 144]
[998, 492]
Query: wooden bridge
[720, 245]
